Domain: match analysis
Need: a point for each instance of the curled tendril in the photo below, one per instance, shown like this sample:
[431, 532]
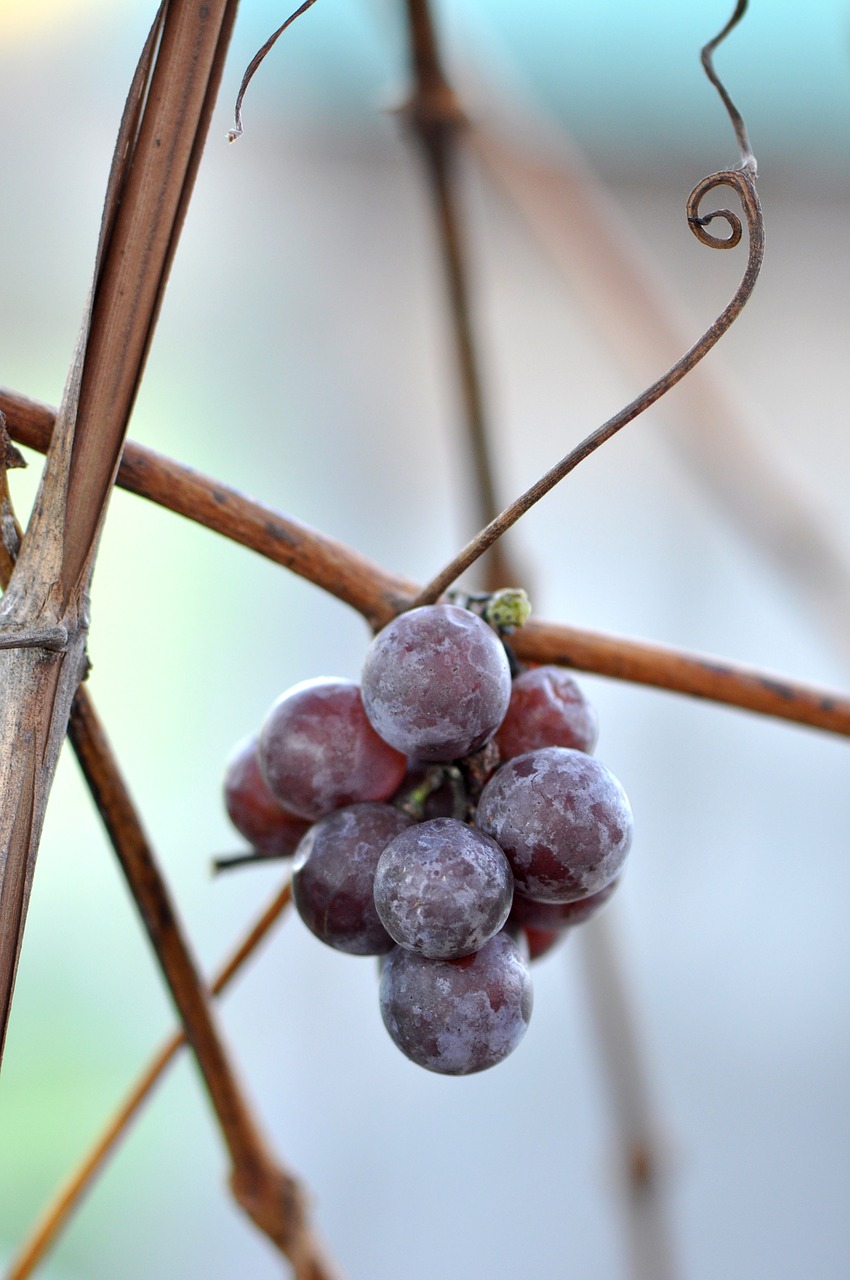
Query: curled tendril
[698, 222]
[743, 182]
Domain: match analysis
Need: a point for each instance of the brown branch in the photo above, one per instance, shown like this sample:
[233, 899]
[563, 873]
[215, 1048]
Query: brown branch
[436, 120]
[67, 1199]
[698, 675]
[373, 592]
[269, 1194]
[379, 595]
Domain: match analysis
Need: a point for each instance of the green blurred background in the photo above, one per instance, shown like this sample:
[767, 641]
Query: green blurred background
[303, 355]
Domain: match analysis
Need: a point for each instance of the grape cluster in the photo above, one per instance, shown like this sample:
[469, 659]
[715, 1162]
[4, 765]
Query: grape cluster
[444, 817]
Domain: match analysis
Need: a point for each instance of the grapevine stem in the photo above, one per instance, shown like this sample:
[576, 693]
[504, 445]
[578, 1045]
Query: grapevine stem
[379, 595]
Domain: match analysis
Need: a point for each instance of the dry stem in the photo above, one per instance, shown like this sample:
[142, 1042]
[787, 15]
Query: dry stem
[436, 120]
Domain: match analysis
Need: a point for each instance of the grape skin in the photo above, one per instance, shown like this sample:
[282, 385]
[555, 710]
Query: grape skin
[559, 915]
[547, 709]
[443, 889]
[252, 808]
[436, 682]
[318, 752]
[562, 819]
[334, 872]
[457, 1017]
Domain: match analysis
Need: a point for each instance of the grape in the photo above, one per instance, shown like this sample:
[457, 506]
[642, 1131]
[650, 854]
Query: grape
[253, 809]
[318, 751]
[436, 682]
[457, 1016]
[547, 709]
[559, 915]
[333, 875]
[541, 941]
[562, 819]
[443, 889]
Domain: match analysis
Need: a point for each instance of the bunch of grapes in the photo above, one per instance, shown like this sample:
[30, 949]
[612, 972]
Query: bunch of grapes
[443, 817]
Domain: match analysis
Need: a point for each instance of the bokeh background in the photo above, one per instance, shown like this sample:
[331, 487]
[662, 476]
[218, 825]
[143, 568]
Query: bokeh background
[303, 355]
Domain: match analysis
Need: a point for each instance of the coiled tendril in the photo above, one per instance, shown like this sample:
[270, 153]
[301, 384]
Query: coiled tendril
[743, 182]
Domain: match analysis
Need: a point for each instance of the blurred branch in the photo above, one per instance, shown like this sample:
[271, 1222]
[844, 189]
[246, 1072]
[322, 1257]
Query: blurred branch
[379, 595]
[55, 1217]
[436, 120]
[641, 1173]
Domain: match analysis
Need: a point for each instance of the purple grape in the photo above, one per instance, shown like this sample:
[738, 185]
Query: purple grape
[334, 872]
[547, 709]
[559, 915]
[318, 752]
[253, 809]
[542, 941]
[436, 682]
[457, 1016]
[562, 819]
[443, 889]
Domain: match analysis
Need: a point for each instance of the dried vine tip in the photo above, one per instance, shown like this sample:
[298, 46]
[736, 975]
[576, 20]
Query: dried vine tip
[748, 160]
[507, 609]
[237, 130]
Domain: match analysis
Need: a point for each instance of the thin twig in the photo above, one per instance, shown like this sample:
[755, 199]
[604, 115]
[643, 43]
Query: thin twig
[379, 595]
[436, 120]
[748, 160]
[259, 56]
[269, 1194]
[67, 1199]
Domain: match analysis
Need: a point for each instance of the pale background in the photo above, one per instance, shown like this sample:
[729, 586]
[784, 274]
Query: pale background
[302, 355]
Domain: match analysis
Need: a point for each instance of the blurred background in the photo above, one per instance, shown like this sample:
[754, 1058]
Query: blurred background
[303, 354]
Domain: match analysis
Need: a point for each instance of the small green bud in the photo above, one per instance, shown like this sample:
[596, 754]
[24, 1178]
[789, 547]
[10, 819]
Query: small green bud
[508, 609]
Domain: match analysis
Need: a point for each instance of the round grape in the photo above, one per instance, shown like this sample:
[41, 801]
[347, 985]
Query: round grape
[334, 872]
[318, 751]
[563, 820]
[547, 709]
[436, 682]
[559, 915]
[541, 941]
[253, 809]
[443, 889]
[457, 1016]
